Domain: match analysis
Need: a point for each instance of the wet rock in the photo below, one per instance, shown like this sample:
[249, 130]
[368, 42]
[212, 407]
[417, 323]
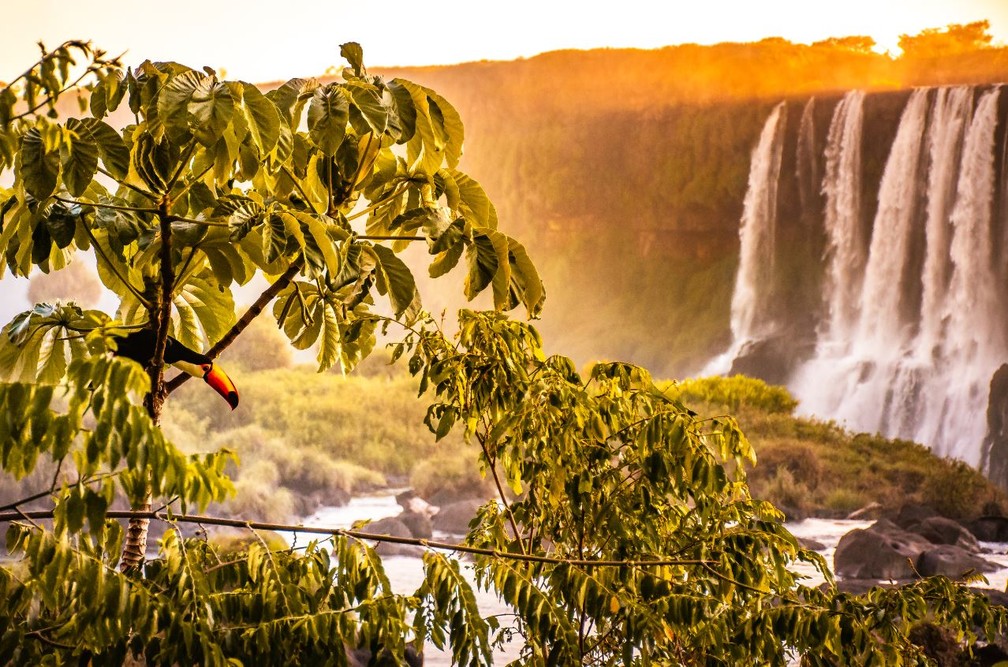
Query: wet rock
[769, 359]
[868, 512]
[882, 551]
[809, 543]
[419, 524]
[940, 530]
[990, 528]
[455, 517]
[910, 515]
[952, 561]
[995, 444]
[394, 527]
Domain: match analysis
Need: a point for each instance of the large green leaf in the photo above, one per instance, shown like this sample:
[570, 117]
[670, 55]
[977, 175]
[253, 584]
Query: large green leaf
[354, 54]
[291, 97]
[241, 213]
[367, 99]
[484, 261]
[153, 160]
[39, 165]
[196, 102]
[209, 308]
[449, 123]
[328, 115]
[262, 117]
[405, 109]
[395, 279]
[107, 94]
[475, 205]
[111, 147]
[80, 159]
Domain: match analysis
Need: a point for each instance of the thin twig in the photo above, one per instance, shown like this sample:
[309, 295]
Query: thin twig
[108, 206]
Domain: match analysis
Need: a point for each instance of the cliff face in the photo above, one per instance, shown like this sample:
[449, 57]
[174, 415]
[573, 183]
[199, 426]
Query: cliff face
[625, 171]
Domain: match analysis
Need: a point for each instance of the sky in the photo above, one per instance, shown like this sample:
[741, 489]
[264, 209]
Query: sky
[263, 41]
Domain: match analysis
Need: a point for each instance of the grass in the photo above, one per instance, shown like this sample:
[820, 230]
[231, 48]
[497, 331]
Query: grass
[306, 439]
[818, 468]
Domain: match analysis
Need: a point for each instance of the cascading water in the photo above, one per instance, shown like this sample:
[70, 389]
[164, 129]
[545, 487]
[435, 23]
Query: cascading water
[750, 318]
[973, 343]
[912, 326]
[846, 250]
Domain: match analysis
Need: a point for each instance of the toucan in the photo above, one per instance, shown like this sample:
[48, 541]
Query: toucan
[139, 346]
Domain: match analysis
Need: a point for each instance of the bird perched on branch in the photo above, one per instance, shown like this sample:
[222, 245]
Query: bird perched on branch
[139, 346]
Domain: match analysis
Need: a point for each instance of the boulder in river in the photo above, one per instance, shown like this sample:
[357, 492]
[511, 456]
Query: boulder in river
[940, 530]
[881, 551]
[454, 518]
[952, 561]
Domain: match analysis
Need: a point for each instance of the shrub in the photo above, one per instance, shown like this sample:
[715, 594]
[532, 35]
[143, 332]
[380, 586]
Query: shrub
[734, 393]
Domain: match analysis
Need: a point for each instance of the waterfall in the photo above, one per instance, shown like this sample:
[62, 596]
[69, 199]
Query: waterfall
[751, 315]
[952, 107]
[913, 325]
[973, 344]
[846, 249]
[750, 307]
[806, 166]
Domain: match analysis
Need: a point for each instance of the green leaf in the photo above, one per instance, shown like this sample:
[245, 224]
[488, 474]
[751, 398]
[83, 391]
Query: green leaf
[154, 161]
[484, 262]
[241, 213]
[262, 117]
[354, 54]
[328, 115]
[475, 206]
[61, 223]
[198, 103]
[111, 147]
[405, 109]
[80, 160]
[368, 100]
[39, 166]
[395, 279]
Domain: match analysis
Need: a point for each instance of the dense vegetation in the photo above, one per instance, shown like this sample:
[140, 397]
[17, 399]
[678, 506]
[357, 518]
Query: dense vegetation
[628, 534]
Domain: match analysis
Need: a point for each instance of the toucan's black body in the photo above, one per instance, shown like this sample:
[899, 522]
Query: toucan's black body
[139, 346]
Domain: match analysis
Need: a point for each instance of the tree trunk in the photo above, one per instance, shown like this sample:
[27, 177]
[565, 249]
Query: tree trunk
[135, 543]
[159, 318]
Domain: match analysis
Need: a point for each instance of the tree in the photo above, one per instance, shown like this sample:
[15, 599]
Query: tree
[624, 532]
[215, 182]
[954, 39]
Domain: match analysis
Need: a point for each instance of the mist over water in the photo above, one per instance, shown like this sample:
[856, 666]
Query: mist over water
[912, 323]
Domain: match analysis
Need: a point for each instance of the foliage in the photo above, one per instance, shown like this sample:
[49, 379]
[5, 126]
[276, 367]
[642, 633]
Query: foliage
[374, 422]
[610, 468]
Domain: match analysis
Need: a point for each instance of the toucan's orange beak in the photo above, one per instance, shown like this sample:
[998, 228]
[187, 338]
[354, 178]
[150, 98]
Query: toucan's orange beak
[218, 379]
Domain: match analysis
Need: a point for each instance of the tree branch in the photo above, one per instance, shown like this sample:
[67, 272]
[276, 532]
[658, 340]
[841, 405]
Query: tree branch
[369, 537]
[253, 311]
[109, 206]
